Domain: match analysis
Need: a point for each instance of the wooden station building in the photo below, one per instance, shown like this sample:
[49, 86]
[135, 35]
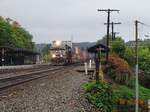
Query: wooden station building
[17, 56]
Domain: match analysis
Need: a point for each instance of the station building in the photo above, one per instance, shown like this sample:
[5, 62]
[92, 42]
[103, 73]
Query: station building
[17, 56]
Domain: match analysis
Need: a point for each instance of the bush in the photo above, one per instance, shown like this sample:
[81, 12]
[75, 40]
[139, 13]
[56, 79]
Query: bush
[144, 66]
[144, 60]
[100, 95]
[144, 80]
[119, 70]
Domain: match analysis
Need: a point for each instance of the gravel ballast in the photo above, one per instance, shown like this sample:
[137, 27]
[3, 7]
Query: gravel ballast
[58, 92]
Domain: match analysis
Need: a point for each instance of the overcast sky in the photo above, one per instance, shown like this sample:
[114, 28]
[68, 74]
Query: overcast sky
[49, 20]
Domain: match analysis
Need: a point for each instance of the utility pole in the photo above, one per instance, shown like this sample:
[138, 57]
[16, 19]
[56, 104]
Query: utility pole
[137, 66]
[108, 24]
[136, 74]
[112, 25]
[115, 34]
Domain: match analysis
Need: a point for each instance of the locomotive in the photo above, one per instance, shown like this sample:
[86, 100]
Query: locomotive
[61, 52]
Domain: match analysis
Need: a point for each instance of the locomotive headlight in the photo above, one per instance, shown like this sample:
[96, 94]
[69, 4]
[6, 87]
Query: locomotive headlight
[53, 56]
[58, 43]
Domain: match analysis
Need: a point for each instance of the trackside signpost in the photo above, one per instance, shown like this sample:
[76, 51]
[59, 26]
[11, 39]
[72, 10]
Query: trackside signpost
[97, 49]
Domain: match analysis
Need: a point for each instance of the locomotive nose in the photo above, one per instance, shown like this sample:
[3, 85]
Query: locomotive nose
[57, 55]
[53, 56]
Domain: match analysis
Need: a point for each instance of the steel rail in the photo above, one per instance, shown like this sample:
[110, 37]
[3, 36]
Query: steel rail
[16, 80]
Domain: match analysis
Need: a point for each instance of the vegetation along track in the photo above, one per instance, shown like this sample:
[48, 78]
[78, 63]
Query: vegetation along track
[16, 80]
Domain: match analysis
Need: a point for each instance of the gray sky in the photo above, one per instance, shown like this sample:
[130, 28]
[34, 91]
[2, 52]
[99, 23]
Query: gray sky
[49, 20]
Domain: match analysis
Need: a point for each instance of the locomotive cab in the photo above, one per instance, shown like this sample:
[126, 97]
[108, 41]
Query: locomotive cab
[60, 53]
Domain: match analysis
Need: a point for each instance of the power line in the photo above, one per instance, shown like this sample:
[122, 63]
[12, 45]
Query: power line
[143, 24]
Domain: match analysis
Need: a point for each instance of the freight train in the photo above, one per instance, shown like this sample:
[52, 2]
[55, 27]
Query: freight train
[63, 53]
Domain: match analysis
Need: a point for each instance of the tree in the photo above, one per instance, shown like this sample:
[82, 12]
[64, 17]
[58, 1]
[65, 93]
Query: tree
[46, 53]
[129, 56]
[104, 40]
[144, 65]
[5, 33]
[46, 49]
[13, 35]
[144, 60]
[119, 47]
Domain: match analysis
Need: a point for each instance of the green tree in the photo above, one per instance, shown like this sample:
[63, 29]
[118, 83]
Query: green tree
[46, 53]
[119, 47]
[46, 49]
[144, 65]
[104, 40]
[13, 35]
[144, 60]
[5, 33]
[129, 56]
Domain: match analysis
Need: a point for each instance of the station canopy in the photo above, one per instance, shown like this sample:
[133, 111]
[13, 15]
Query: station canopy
[18, 50]
[98, 47]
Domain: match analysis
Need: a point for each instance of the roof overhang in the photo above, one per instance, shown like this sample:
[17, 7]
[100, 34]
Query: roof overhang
[98, 47]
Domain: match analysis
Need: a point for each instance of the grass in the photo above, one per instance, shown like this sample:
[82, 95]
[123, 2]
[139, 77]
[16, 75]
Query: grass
[104, 97]
[100, 95]
[124, 92]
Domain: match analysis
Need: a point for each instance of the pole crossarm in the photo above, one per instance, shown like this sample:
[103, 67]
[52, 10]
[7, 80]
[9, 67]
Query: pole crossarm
[113, 23]
[107, 10]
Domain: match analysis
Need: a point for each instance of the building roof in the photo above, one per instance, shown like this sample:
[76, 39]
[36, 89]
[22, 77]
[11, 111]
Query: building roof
[17, 50]
[98, 47]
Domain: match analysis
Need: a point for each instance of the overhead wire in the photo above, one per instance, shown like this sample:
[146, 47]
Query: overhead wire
[144, 33]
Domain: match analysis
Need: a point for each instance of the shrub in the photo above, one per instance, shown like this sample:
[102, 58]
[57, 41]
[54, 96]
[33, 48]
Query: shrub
[144, 60]
[119, 70]
[100, 95]
[144, 79]
[144, 65]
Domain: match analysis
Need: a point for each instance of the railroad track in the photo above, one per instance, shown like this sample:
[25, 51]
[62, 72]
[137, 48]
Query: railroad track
[26, 69]
[19, 79]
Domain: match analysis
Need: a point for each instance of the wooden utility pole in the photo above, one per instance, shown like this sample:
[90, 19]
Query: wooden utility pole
[112, 27]
[137, 66]
[108, 24]
[97, 63]
[136, 74]
[115, 34]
